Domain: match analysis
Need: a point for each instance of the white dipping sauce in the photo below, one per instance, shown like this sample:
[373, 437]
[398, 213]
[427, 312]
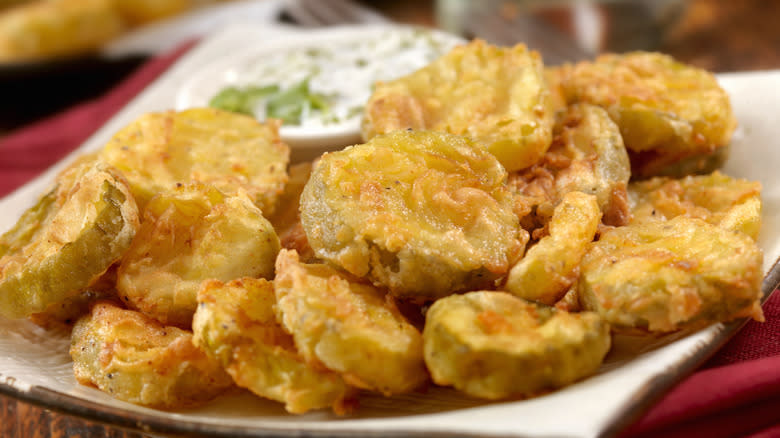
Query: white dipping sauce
[341, 64]
[343, 71]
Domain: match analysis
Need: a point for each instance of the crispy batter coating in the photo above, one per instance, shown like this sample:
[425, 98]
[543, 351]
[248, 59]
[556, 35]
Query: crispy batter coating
[348, 326]
[67, 240]
[731, 203]
[667, 111]
[136, 359]
[493, 345]
[669, 275]
[235, 323]
[587, 155]
[423, 213]
[553, 75]
[550, 267]
[227, 150]
[188, 235]
[570, 301]
[287, 216]
[496, 95]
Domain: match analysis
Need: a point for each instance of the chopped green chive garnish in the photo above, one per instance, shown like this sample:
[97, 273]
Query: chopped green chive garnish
[241, 100]
[288, 105]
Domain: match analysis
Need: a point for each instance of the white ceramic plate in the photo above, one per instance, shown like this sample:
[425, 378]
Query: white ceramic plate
[35, 366]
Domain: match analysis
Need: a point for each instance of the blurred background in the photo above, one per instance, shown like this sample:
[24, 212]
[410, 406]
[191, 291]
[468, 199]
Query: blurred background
[58, 53]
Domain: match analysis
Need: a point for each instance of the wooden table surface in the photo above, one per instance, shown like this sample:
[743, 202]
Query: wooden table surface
[719, 35]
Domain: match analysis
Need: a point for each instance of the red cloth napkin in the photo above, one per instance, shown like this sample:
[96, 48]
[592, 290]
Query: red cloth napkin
[735, 394]
[27, 152]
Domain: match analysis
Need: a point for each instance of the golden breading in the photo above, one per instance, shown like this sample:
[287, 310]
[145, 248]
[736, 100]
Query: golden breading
[67, 240]
[136, 359]
[188, 235]
[570, 302]
[550, 267]
[731, 203]
[493, 345]
[424, 213]
[227, 150]
[669, 275]
[57, 28]
[496, 95]
[553, 76]
[587, 155]
[287, 216]
[348, 327]
[667, 111]
[235, 323]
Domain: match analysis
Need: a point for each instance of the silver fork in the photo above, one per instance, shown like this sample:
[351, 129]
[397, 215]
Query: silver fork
[317, 13]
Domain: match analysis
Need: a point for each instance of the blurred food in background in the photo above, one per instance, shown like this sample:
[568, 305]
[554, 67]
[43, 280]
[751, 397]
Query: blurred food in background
[563, 30]
[716, 35]
[41, 29]
[727, 35]
[8, 3]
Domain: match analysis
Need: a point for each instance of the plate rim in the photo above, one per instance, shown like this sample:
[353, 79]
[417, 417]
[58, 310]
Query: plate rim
[154, 422]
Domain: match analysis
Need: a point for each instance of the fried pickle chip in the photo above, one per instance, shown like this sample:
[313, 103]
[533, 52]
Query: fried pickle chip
[188, 235]
[496, 95]
[67, 240]
[34, 219]
[731, 203]
[227, 150]
[423, 213]
[587, 155]
[136, 359]
[667, 111]
[235, 323]
[550, 267]
[348, 327]
[493, 345]
[669, 275]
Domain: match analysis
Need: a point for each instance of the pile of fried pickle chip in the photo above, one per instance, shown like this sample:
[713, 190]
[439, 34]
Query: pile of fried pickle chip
[501, 222]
